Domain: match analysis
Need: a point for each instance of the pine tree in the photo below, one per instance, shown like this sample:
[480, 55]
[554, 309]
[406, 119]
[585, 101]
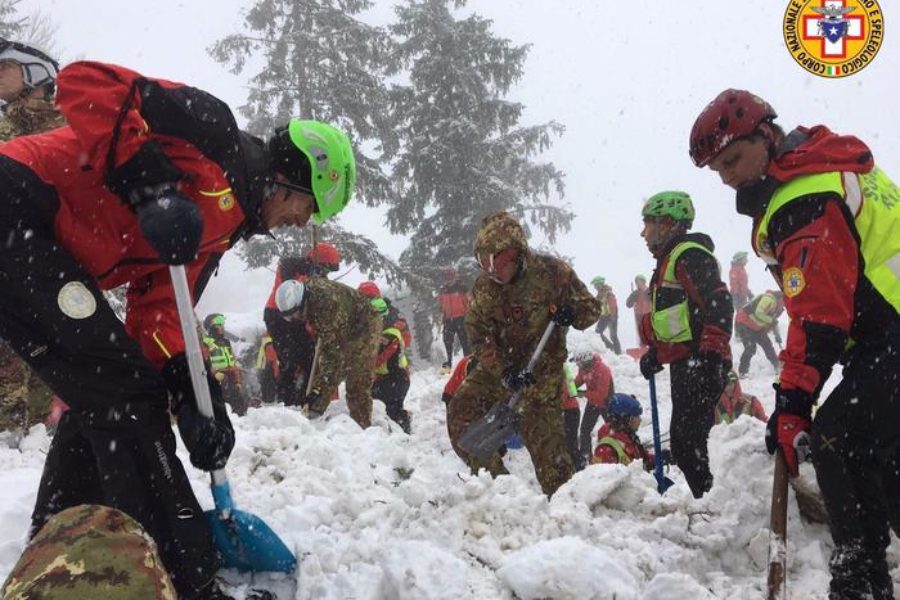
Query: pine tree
[11, 24]
[321, 62]
[464, 152]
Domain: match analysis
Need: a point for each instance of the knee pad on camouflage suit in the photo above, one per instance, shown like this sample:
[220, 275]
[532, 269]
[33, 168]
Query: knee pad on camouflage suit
[86, 552]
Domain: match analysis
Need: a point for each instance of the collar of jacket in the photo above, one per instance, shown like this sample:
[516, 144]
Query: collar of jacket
[259, 182]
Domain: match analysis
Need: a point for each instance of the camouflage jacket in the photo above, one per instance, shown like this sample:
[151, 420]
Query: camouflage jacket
[340, 316]
[88, 552]
[505, 322]
[28, 116]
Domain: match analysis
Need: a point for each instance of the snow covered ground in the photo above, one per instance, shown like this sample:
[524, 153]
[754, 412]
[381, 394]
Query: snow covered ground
[377, 514]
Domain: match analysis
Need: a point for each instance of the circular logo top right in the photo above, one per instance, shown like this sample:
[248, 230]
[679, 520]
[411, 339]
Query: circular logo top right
[833, 38]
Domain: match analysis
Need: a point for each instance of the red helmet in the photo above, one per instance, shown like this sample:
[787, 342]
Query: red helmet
[369, 289]
[326, 255]
[732, 115]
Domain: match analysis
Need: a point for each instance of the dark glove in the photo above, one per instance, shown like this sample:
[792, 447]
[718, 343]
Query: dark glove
[515, 380]
[665, 456]
[209, 440]
[788, 427]
[649, 364]
[564, 315]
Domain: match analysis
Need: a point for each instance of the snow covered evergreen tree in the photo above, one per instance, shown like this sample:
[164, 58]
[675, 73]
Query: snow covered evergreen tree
[11, 24]
[320, 62]
[464, 152]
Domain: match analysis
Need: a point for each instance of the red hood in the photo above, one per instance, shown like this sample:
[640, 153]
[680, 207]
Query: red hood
[821, 152]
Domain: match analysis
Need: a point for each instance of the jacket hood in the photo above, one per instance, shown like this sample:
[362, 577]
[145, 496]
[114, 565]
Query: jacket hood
[696, 237]
[258, 182]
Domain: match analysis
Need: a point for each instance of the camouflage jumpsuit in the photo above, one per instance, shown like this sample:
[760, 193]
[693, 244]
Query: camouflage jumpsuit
[348, 331]
[24, 399]
[505, 323]
[87, 552]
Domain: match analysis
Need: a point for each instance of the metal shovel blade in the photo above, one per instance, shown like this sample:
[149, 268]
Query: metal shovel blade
[484, 437]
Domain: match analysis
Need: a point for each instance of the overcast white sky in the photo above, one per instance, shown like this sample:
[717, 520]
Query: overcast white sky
[627, 80]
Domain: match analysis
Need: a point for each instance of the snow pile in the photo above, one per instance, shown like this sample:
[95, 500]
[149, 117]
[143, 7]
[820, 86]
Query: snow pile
[377, 514]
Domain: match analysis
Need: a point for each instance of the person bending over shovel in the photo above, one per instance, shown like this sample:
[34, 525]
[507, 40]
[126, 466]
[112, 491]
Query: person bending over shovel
[149, 173]
[515, 297]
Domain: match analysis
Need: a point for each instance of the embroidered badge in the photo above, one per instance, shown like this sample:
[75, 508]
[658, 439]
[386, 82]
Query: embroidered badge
[76, 300]
[793, 282]
[226, 202]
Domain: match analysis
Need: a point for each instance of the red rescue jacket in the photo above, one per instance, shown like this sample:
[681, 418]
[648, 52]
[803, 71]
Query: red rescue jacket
[112, 112]
[598, 381]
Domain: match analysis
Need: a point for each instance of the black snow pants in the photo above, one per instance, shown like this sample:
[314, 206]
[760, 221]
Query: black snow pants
[454, 328]
[855, 443]
[296, 349]
[115, 446]
[750, 340]
[610, 322]
[696, 388]
[391, 389]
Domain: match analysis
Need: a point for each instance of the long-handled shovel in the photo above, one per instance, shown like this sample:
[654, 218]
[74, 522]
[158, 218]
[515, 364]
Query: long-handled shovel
[778, 530]
[484, 437]
[662, 482]
[244, 540]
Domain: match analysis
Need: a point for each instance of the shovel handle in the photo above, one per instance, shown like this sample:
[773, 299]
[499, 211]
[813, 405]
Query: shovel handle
[192, 351]
[535, 356]
[778, 531]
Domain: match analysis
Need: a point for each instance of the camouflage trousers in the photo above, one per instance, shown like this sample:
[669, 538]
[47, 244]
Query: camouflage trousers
[24, 398]
[357, 370]
[87, 552]
[541, 426]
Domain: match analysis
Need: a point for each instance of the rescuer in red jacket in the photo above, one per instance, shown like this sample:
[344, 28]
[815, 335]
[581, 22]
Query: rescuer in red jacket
[826, 220]
[453, 298]
[147, 174]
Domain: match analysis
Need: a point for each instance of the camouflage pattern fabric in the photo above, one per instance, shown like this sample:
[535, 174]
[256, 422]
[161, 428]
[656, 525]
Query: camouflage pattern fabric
[505, 323]
[350, 331]
[90, 552]
[24, 398]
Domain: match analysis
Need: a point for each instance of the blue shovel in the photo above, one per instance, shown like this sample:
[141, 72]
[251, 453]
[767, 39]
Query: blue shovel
[662, 482]
[244, 540]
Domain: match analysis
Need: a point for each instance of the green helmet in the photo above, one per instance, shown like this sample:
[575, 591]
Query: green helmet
[598, 280]
[380, 306]
[325, 165]
[739, 256]
[672, 204]
[640, 278]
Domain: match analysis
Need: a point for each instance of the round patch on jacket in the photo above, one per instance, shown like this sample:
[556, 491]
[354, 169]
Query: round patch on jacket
[793, 282]
[76, 300]
[226, 202]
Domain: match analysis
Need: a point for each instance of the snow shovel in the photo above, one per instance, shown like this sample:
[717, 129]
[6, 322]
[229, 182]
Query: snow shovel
[662, 482]
[484, 437]
[244, 540]
[778, 530]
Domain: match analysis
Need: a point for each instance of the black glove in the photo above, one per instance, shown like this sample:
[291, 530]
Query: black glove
[209, 441]
[564, 315]
[665, 456]
[650, 364]
[515, 380]
[170, 222]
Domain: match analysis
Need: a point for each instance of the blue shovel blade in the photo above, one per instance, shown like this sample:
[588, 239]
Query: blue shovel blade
[246, 543]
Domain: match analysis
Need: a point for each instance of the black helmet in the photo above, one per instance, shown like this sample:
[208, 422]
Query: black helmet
[37, 68]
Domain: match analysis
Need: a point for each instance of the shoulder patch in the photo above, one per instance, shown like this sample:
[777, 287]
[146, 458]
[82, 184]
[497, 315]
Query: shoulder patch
[793, 282]
[226, 202]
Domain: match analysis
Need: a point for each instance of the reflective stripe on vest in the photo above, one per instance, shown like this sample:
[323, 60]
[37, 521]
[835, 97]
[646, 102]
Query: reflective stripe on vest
[261, 355]
[673, 324]
[404, 362]
[618, 446]
[763, 313]
[874, 202]
[726, 417]
[570, 381]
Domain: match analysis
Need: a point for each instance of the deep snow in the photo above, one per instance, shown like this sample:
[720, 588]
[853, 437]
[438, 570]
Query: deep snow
[377, 514]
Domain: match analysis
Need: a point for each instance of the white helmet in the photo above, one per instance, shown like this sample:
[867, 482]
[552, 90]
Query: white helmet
[37, 68]
[289, 297]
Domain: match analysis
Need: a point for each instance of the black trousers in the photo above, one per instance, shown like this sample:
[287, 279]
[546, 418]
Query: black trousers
[392, 389]
[696, 388]
[855, 442]
[115, 445]
[610, 322]
[454, 328]
[750, 340]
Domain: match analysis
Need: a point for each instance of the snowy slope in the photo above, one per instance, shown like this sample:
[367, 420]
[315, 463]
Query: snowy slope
[377, 514]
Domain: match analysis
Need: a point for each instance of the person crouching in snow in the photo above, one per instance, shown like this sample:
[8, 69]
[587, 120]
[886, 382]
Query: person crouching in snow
[617, 440]
[348, 330]
[734, 403]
